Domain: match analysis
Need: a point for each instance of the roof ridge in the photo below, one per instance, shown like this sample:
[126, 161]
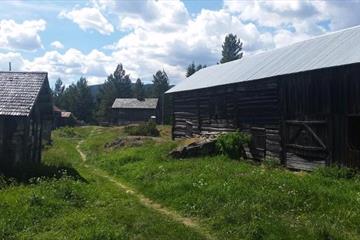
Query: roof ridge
[283, 47]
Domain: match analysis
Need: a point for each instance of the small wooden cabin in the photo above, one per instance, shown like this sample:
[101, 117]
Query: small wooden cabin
[25, 117]
[301, 103]
[132, 110]
[63, 118]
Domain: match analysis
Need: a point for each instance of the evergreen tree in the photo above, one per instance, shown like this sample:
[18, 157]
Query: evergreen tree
[200, 67]
[231, 49]
[84, 104]
[58, 92]
[78, 100]
[117, 85]
[139, 91]
[161, 83]
[190, 70]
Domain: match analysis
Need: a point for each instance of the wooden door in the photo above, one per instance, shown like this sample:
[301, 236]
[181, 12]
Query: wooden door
[307, 144]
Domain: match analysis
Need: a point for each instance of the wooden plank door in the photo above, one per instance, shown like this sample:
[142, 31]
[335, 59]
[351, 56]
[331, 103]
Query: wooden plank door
[307, 144]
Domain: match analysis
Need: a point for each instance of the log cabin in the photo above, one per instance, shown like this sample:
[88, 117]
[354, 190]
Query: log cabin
[25, 117]
[132, 110]
[300, 103]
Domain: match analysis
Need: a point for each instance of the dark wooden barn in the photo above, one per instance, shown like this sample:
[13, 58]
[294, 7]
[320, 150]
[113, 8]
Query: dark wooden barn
[25, 117]
[301, 103]
[132, 110]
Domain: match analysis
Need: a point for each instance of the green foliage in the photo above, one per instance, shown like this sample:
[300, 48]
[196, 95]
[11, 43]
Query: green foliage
[161, 83]
[58, 92]
[78, 100]
[117, 85]
[139, 91]
[231, 49]
[192, 68]
[67, 208]
[143, 129]
[238, 200]
[232, 144]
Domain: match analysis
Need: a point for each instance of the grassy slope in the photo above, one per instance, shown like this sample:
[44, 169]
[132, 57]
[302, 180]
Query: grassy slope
[237, 200]
[66, 208]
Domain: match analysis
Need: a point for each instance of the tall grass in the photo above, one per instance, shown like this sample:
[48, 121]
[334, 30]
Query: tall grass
[240, 200]
[72, 208]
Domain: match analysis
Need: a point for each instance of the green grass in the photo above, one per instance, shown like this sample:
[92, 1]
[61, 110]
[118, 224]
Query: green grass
[231, 199]
[238, 200]
[69, 207]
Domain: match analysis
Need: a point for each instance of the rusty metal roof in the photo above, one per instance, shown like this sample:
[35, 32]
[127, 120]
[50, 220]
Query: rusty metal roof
[18, 92]
[147, 103]
[329, 50]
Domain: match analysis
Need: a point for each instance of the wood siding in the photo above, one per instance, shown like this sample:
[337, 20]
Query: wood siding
[306, 120]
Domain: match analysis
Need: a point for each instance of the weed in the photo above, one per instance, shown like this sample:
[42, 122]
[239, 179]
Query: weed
[232, 144]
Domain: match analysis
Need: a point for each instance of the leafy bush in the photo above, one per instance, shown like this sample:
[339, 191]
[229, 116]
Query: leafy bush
[144, 129]
[232, 144]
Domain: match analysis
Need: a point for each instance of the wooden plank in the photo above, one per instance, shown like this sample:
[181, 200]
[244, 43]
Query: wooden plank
[296, 122]
[306, 148]
[295, 162]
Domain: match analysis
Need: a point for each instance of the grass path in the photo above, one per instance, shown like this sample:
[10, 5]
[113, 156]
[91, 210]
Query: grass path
[191, 223]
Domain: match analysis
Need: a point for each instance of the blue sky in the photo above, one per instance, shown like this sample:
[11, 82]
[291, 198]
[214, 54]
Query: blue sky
[89, 38]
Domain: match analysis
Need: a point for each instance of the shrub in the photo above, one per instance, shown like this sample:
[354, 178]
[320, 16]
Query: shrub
[232, 144]
[144, 129]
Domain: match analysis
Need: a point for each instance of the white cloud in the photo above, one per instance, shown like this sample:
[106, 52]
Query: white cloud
[164, 35]
[21, 36]
[57, 45]
[17, 61]
[89, 18]
[73, 64]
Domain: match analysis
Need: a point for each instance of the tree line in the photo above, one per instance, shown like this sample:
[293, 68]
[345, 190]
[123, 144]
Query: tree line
[78, 99]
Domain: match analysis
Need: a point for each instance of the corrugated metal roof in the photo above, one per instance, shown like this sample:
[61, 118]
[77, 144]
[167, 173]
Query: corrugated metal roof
[329, 50]
[18, 92]
[147, 103]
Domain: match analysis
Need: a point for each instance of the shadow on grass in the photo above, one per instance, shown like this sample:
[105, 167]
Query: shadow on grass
[24, 173]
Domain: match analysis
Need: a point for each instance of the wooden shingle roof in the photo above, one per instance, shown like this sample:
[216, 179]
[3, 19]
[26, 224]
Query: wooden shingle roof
[19, 91]
[147, 103]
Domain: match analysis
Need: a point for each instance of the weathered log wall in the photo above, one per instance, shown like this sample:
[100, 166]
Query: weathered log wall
[249, 106]
[306, 119]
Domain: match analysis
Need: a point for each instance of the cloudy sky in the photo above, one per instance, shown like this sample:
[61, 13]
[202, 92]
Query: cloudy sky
[73, 38]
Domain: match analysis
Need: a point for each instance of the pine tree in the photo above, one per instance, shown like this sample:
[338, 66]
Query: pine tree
[231, 49]
[84, 103]
[117, 85]
[200, 67]
[139, 91]
[190, 70]
[58, 92]
[78, 100]
[161, 83]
